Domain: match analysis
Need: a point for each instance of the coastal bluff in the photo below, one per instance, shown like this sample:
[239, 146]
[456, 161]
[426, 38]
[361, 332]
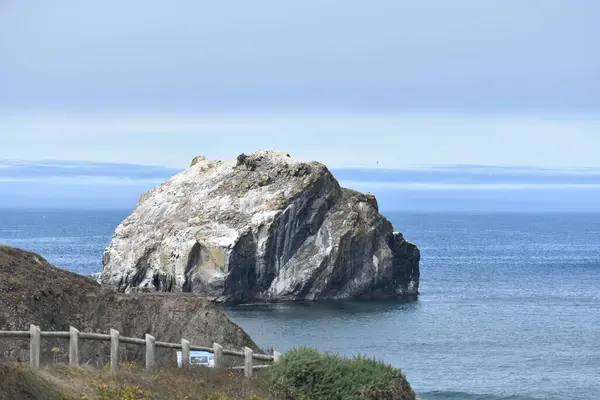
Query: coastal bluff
[263, 227]
[34, 292]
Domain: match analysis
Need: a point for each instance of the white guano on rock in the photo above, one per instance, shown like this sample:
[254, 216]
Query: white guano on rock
[262, 227]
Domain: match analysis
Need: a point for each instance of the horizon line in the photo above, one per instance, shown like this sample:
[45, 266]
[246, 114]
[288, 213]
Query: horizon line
[446, 167]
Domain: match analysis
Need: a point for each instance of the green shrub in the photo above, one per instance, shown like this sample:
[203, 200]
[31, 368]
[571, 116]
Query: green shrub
[308, 374]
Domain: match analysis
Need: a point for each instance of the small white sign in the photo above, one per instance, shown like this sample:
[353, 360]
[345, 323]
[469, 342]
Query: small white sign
[198, 359]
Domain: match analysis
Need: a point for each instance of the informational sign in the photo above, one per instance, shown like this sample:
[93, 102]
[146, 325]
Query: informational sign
[198, 359]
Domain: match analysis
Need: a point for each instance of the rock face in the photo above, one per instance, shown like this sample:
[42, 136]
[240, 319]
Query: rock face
[34, 292]
[262, 227]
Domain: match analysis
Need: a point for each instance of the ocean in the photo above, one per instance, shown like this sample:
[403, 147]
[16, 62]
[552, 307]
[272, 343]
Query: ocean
[509, 306]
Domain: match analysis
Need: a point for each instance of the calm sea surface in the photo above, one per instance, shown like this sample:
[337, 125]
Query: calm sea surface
[510, 305]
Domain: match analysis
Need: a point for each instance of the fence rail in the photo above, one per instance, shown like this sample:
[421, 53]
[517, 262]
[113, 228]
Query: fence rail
[34, 334]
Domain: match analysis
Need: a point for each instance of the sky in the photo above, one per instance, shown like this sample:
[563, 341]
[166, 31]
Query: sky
[387, 84]
[372, 141]
[445, 188]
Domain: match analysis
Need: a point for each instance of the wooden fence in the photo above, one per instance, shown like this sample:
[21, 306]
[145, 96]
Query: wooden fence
[35, 335]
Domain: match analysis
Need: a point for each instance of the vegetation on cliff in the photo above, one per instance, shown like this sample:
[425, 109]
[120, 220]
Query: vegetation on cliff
[306, 373]
[303, 374]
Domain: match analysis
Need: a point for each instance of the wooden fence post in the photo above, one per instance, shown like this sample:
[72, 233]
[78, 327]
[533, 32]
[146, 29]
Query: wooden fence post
[114, 351]
[218, 353]
[248, 354]
[276, 356]
[73, 346]
[150, 346]
[35, 340]
[185, 354]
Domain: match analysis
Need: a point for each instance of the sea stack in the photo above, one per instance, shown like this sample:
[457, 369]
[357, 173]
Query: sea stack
[264, 227]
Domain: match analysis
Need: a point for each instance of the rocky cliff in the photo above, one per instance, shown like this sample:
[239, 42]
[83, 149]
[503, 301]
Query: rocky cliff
[32, 291]
[262, 227]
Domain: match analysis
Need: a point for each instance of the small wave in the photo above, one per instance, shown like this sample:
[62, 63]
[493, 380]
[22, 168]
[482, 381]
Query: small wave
[443, 395]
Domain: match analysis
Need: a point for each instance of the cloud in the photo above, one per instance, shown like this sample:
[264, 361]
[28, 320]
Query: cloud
[482, 177]
[76, 184]
[494, 55]
[81, 172]
[435, 177]
[366, 185]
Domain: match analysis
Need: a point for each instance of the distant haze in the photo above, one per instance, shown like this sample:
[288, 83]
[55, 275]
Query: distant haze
[81, 185]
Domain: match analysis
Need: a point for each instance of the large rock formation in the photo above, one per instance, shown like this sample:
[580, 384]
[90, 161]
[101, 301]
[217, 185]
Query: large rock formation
[263, 227]
[34, 292]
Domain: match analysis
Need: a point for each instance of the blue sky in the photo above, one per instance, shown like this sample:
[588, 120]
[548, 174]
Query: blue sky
[326, 55]
[385, 84]
[339, 140]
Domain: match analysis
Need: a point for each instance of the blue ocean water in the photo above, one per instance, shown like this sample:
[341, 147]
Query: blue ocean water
[510, 305]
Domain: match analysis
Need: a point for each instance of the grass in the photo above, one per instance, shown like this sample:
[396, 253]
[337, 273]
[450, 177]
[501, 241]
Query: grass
[63, 382]
[302, 374]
